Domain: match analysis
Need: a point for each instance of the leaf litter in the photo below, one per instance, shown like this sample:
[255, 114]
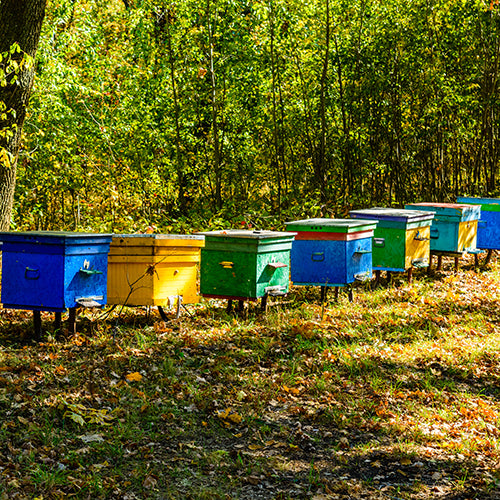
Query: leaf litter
[395, 395]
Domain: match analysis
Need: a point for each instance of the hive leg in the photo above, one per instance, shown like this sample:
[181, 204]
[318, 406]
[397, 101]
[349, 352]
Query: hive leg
[229, 307]
[162, 313]
[440, 262]
[324, 293]
[410, 275]
[377, 279]
[241, 305]
[456, 263]
[72, 320]
[429, 268]
[488, 257]
[350, 293]
[263, 304]
[37, 324]
[337, 289]
[57, 322]
[179, 303]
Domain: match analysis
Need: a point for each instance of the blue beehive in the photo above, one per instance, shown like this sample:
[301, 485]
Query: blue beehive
[488, 227]
[331, 252]
[52, 271]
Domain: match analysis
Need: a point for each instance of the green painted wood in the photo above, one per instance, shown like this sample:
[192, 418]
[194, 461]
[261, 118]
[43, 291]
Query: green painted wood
[242, 264]
[389, 254]
[487, 204]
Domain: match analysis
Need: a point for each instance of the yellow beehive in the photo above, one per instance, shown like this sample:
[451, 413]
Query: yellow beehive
[153, 269]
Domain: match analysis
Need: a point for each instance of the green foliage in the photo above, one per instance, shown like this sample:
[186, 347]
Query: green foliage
[198, 115]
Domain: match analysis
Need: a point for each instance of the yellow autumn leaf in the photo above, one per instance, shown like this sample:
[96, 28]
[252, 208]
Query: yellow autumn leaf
[254, 447]
[134, 377]
[235, 418]
[223, 413]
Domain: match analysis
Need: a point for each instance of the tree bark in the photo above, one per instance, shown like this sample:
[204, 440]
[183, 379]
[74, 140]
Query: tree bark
[21, 23]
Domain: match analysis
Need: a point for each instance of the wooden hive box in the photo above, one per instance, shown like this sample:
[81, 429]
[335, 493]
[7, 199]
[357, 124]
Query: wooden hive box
[454, 228]
[241, 265]
[488, 227]
[53, 271]
[331, 252]
[401, 238]
[153, 269]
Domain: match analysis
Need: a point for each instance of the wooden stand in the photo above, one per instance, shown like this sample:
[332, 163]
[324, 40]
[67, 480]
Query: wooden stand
[455, 255]
[37, 324]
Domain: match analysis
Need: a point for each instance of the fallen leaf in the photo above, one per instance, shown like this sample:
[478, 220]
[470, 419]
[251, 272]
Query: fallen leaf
[254, 447]
[134, 377]
[92, 438]
[149, 483]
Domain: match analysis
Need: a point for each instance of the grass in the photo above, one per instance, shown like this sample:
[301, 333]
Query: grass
[395, 395]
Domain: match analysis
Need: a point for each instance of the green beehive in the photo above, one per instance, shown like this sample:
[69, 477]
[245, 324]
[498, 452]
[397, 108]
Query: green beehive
[245, 264]
[401, 238]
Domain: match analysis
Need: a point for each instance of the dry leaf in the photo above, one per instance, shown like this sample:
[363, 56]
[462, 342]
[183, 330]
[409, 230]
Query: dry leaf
[134, 377]
[254, 447]
[149, 483]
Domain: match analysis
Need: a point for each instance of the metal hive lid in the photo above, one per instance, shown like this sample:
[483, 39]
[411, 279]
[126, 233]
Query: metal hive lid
[332, 225]
[395, 214]
[240, 233]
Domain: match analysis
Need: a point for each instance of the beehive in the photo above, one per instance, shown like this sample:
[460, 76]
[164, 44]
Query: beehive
[331, 252]
[401, 238]
[242, 265]
[454, 228]
[153, 269]
[52, 271]
[488, 226]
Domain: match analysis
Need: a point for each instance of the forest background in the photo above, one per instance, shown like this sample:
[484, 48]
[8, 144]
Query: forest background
[197, 115]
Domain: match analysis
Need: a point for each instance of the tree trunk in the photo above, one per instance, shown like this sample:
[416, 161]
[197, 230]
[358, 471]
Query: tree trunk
[21, 23]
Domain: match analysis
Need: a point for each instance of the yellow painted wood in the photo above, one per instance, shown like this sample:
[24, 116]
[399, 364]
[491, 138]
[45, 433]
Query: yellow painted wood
[467, 235]
[153, 271]
[417, 248]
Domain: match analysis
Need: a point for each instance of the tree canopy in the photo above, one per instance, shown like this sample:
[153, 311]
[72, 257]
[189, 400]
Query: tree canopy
[192, 114]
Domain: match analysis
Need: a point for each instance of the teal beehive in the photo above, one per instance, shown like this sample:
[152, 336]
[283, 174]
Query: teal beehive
[454, 228]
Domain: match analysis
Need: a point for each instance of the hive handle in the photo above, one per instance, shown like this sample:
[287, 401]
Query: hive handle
[434, 233]
[318, 256]
[31, 274]
[89, 272]
[418, 237]
[379, 242]
[226, 264]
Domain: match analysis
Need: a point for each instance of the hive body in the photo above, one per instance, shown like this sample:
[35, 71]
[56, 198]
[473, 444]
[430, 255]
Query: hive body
[331, 252]
[454, 227]
[488, 227]
[245, 264]
[52, 271]
[153, 269]
[401, 238]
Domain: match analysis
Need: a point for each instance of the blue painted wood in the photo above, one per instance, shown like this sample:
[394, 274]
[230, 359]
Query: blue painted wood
[50, 271]
[330, 263]
[488, 227]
